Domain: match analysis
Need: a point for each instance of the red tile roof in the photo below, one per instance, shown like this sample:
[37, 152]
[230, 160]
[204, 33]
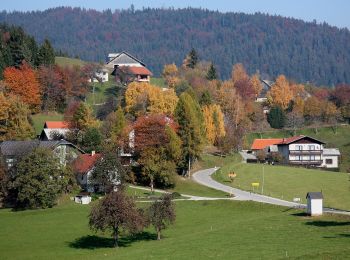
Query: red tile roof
[291, 139]
[56, 124]
[85, 162]
[259, 144]
[137, 70]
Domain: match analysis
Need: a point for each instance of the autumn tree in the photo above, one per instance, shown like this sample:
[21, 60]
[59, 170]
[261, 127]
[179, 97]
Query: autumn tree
[170, 74]
[83, 117]
[116, 212]
[256, 84]
[239, 73]
[294, 121]
[115, 124]
[14, 119]
[313, 111]
[161, 213]
[214, 123]
[280, 93]
[23, 83]
[142, 98]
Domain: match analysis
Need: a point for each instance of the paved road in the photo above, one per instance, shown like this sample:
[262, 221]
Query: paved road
[246, 156]
[204, 177]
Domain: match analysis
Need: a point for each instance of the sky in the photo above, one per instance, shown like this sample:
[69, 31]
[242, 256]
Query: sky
[333, 12]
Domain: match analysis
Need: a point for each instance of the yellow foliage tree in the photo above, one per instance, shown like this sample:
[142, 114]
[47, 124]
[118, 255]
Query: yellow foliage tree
[255, 80]
[298, 106]
[170, 74]
[238, 73]
[280, 93]
[145, 98]
[214, 122]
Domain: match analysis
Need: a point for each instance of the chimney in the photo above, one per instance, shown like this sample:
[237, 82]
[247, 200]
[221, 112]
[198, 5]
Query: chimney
[92, 153]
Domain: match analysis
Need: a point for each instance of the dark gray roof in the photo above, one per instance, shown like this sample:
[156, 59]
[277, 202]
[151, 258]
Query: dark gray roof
[314, 195]
[19, 148]
[124, 58]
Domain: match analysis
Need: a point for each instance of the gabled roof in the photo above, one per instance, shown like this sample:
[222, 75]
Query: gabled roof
[122, 59]
[20, 148]
[331, 151]
[259, 144]
[56, 124]
[85, 162]
[297, 138]
[314, 195]
[136, 70]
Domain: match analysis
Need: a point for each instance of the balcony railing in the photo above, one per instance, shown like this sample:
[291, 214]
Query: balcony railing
[293, 152]
[306, 162]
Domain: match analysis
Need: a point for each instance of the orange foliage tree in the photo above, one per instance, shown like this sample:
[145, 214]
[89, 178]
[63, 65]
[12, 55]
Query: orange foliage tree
[280, 93]
[23, 83]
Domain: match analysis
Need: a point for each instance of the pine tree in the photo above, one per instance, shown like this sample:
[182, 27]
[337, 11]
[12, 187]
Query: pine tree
[192, 59]
[46, 55]
[212, 74]
[276, 117]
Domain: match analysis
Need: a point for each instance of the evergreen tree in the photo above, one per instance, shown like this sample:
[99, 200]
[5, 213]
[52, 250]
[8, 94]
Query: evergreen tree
[46, 54]
[192, 59]
[191, 131]
[276, 117]
[205, 99]
[212, 74]
[91, 140]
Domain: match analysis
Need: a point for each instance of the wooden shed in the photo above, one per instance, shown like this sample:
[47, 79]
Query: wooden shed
[314, 203]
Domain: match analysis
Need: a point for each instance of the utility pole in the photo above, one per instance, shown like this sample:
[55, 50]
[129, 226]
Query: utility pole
[263, 182]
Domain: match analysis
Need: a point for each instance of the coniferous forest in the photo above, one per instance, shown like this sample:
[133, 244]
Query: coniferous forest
[272, 45]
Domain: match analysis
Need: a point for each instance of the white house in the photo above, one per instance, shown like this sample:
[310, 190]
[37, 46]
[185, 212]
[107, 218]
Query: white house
[300, 150]
[123, 59]
[314, 203]
[83, 198]
[54, 130]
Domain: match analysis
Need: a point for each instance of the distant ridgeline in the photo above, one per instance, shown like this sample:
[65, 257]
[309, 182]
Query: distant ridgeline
[305, 52]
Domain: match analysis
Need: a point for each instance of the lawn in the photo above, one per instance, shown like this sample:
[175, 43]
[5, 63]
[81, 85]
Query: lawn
[216, 229]
[65, 61]
[340, 139]
[289, 182]
[158, 82]
[102, 92]
[39, 120]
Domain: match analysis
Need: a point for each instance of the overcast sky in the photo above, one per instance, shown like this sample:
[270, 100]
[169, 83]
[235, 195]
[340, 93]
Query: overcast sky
[334, 12]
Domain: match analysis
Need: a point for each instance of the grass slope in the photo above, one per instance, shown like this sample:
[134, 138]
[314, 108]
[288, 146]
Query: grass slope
[340, 139]
[65, 61]
[288, 182]
[217, 229]
[39, 120]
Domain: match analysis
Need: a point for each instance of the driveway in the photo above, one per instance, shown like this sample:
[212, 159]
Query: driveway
[247, 156]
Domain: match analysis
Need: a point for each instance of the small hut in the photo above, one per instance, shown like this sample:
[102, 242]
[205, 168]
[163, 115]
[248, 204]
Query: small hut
[314, 203]
[83, 198]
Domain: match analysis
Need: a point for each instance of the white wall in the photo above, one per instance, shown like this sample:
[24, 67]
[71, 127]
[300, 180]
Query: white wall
[314, 207]
[334, 164]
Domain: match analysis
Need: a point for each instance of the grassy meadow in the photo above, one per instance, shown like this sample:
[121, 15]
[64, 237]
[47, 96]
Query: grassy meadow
[216, 229]
[65, 61]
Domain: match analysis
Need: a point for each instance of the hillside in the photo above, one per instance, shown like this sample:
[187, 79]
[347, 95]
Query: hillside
[312, 52]
[65, 61]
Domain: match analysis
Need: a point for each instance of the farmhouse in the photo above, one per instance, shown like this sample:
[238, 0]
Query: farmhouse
[83, 167]
[300, 150]
[126, 68]
[54, 130]
[12, 151]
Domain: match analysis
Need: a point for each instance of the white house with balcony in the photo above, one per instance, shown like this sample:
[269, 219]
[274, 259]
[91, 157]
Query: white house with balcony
[300, 150]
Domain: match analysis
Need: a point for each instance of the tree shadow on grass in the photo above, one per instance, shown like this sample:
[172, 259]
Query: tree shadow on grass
[94, 242]
[321, 223]
[300, 214]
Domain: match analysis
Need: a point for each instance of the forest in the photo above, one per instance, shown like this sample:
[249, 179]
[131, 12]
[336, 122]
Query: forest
[305, 52]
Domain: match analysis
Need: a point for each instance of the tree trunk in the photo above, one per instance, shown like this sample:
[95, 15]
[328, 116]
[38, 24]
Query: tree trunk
[115, 236]
[158, 234]
[152, 190]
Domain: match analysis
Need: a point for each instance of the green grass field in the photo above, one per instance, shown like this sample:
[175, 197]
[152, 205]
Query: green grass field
[289, 182]
[340, 139]
[217, 230]
[65, 61]
[39, 120]
[158, 82]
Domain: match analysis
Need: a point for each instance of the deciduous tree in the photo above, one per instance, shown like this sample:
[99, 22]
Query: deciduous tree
[116, 212]
[280, 93]
[161, 213]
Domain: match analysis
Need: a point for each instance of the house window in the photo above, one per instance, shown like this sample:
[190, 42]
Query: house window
[311, 147]
[329, 161]
[297, 157]
[312, 158]
[299, 147]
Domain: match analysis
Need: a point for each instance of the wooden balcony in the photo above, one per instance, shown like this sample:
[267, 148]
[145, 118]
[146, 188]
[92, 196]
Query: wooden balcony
[305, 152]
[305, 162]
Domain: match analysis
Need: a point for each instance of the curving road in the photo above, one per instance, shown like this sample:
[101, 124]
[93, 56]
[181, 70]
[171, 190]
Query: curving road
[204, 177]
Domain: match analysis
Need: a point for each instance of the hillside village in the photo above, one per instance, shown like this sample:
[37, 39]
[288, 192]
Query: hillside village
[158, 150]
